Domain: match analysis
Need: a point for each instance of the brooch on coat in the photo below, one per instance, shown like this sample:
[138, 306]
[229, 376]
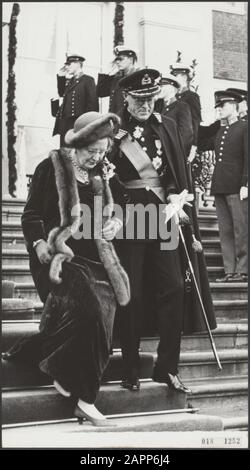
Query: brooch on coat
[138, 132]
[157, 161]
[107, 169]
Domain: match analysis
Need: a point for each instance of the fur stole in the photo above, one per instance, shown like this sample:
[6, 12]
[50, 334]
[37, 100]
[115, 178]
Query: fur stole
[68, 199]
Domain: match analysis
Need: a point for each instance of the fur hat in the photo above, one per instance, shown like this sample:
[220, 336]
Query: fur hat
[93, 126]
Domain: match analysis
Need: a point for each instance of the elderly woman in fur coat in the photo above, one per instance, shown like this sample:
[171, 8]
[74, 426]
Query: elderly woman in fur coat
[73, 262]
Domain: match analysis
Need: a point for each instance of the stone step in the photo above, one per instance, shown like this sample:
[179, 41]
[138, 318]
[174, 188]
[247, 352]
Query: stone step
[11, 214]
[8, 288]
[13, 202]
[208, 233]
[207, 220]
[201, 364]
[193, 363]
[26, 290]
[14, 256]
[227, 397]
[20, 309]
[21, 272]
[12, 227]
[225, 336]
[16, 374]
[215, 272]
[19, 406]
[16, 273]
[13, 240]
[224, 398]
[67, 433]
[234, 311]
[211, 245]
[229, 290]
[212, 259]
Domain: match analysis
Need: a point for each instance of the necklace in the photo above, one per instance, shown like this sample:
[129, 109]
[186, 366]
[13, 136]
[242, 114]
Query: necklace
[81, 172]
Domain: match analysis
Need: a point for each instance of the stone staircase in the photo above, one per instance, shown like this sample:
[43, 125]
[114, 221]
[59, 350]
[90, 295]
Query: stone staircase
[220, 396]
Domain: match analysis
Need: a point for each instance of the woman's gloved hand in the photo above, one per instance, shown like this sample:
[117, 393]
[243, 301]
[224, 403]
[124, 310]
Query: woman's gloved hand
[111, 228]
[43, 252]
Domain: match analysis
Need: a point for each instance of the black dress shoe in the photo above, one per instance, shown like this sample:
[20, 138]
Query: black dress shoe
[132, 385]
[226, 278]
[7, 356]
[173, 382]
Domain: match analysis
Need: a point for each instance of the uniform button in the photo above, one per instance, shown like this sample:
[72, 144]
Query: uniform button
[220, 160]
[147, 188]
[227, 127]
[223, 137]
[220, 154]
[144, 148]
[221, 148]
[142, 139]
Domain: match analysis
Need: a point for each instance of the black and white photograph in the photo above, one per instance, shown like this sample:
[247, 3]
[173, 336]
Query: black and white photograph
[124, 227]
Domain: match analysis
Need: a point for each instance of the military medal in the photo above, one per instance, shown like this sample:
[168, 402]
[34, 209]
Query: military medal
[157, 161]
[138, 132]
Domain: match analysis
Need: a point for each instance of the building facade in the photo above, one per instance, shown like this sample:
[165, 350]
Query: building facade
[213, 33]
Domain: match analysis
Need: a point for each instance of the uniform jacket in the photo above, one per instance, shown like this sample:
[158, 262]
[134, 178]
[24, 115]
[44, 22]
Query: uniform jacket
[180, 112]
[108, 85]
[193, 100]
[166, 131]
[79, 96]
[230, 145]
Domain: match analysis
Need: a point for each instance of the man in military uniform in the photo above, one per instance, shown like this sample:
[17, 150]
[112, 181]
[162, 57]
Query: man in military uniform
[183, 73]
[243, 108]
[168, 105]
[230, 183]
[79, 95]
[150, 162]
[108, 84]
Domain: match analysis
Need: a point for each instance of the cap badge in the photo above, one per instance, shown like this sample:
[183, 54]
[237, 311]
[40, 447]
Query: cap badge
[146, 80]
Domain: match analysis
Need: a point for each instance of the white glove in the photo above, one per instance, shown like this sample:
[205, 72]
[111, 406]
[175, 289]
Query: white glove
[192, 154]
[243, 192]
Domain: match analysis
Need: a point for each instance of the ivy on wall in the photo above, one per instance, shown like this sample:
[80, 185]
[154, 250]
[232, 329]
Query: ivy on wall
[11, 105]
[119, 23]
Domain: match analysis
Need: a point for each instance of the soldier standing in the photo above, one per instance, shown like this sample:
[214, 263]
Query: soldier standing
[108, 84]
[230, 183]
[150, 162]
[79, 95]
[243, 108]
[183, 74]
[168, 105]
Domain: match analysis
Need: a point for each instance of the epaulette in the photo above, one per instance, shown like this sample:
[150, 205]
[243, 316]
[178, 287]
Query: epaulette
[158, 116]
[121, 134]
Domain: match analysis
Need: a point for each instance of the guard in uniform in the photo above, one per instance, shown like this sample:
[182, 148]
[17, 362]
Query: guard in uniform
[168, 105]
[243, 108]
[108, 84]
[230, 183]
[183, 74]
[79, 95]
[150, 162]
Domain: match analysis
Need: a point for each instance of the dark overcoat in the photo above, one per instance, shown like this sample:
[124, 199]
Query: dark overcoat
[166, 130]
[79, 96]
[193, 100]
[108, 85]
[231, 155]
[180, 112]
